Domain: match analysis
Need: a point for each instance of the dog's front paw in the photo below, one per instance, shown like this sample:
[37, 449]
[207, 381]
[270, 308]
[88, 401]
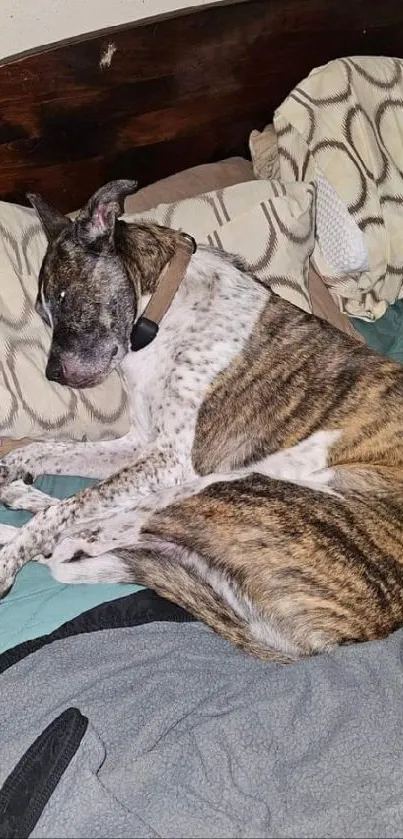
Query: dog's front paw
[13, 469]
[5, 475]
[19, 496]
[15, 480]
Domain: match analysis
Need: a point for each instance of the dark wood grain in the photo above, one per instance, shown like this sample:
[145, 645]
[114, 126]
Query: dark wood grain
[179, 91]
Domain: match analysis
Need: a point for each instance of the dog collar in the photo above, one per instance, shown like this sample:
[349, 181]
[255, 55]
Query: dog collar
[146, 327]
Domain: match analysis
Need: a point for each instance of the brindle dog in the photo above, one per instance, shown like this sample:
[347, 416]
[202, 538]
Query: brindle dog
[261, 484]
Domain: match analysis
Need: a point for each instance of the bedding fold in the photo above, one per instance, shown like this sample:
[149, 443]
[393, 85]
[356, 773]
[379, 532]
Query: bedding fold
[342, 128]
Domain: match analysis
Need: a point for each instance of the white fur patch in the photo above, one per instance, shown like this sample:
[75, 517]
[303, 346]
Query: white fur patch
[105, 568]
[7, 533]
[262, 629]
[305, 464]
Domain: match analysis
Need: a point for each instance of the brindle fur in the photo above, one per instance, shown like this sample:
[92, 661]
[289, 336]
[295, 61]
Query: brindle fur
[328, 569]
[295, 376]
[282, 569]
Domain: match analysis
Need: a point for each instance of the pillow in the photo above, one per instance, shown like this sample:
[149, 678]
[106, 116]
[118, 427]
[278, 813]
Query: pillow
[195, 181]
[342, 127]
[31, 406]
[268, 224]
[263, 146]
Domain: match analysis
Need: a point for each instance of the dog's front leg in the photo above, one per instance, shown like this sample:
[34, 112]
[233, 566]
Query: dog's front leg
[163, 467]
[89, 460]
[35, 540]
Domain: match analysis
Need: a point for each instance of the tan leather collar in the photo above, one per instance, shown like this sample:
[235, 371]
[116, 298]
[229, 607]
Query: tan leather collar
[146, 327]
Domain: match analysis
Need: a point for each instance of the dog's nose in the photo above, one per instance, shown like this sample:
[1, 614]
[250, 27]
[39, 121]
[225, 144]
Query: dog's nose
[54, 370]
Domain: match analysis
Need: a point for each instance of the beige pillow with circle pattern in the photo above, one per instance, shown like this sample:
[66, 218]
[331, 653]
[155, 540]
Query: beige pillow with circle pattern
[31, 406]
[268, 224]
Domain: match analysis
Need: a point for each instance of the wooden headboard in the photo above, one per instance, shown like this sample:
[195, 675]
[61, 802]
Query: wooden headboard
[150, 99]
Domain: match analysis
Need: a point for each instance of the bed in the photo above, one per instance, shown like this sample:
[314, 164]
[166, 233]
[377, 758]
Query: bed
[153, 101]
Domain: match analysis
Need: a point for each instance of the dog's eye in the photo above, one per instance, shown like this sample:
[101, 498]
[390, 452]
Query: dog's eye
[61, 296]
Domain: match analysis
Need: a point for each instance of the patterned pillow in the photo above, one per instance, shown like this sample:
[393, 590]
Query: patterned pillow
[268, 224]
[342, 128]
[29, 404]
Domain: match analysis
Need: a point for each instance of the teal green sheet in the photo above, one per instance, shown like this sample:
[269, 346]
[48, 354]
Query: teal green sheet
[37, 604]
[386, 334]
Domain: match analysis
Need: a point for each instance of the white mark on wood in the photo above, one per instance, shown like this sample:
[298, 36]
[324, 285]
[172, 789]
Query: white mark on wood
[107, 55]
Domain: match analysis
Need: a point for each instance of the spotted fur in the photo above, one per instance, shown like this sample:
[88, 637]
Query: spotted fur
[261, 484]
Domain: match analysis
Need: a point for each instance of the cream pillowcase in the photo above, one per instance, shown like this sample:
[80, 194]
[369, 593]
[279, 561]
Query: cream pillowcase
[268, 224]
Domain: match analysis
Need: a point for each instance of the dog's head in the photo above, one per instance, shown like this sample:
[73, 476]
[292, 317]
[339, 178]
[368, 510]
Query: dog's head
[88, 290]
[85, 293]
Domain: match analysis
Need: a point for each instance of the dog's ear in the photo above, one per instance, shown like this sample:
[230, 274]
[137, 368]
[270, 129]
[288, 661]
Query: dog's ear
[53, 221]
[96, 221]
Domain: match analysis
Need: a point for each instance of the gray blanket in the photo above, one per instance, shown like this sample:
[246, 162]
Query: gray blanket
[187, 737]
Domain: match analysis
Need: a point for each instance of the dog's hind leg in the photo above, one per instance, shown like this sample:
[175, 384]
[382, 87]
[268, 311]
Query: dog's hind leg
[95, 537]
[280, 570]
[169, 542]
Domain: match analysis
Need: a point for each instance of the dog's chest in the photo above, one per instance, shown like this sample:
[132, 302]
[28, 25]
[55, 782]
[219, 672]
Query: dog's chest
[167, 381]
[198, 338]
